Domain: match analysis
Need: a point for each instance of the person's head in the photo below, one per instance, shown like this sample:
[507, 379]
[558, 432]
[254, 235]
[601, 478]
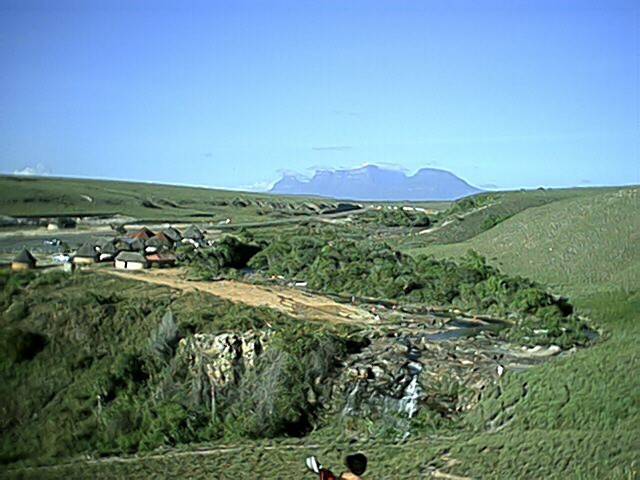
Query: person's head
[356, 463]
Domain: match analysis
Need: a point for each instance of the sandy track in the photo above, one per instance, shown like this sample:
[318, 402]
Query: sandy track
[293, 302]
[451, 220]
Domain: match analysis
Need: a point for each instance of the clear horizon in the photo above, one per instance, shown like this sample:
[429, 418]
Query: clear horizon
[230, 95]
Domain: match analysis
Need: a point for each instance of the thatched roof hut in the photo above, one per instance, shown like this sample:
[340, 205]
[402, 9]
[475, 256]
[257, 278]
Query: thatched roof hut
[86, 254]
[193, 233]
[172, 233]
[130, 244]
[159, 240]
[143, 234]
[162, 259]
[131, 261]
[108, 250]
[24, 260]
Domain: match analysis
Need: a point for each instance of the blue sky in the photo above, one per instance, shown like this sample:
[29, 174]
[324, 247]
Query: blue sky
[231, 94]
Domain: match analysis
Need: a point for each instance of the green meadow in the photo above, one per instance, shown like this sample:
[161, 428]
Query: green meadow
[48, 197]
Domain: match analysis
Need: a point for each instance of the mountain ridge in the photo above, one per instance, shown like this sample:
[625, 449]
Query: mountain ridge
[372, 182]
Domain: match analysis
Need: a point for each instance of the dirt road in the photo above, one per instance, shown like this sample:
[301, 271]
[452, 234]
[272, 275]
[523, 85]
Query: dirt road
[451, 220]
[287, 300]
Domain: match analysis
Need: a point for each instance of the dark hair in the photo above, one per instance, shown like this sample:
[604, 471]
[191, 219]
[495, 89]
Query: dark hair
[357, 463]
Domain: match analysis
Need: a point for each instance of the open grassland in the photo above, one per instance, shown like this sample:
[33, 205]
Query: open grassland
[583, 245]
[471, 216]
[577, 417]
[31, 197]
[50, 197]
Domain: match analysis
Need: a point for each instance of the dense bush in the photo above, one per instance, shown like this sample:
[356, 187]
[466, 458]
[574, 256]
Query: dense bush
[289, 257]
[270, 398]
[231, 252]
[11, 283]
[16, 311]
[108, 379]
[398, 217]
[373, 269]
[147, 396]
[467, 204]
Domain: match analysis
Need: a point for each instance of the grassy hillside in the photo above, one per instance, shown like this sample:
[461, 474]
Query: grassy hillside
[88, 365]
[578, 417]
[28, 196]
[584, 244]
[471, 216]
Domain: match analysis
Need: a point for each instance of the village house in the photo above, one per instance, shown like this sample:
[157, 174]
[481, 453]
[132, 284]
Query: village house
[157, 243]
[143, 234]
[23, 261]
[194, 236]
[108, 250]
[193, 233]
[172, 234]
[86, 255]
[161, 259]
[131, 261]
[129, 244]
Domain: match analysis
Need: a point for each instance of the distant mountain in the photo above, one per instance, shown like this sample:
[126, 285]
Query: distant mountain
[374, 183]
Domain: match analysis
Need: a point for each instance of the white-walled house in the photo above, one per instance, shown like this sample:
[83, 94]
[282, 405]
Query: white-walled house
[131, 261]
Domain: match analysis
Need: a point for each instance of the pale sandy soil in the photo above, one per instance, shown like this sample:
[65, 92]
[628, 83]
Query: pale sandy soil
[293, 302]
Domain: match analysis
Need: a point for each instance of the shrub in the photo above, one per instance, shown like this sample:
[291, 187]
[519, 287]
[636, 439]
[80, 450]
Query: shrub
[17, 311]
[398, 217]
[270, 398]
[229, 253]
[373, 269]
[164, 339]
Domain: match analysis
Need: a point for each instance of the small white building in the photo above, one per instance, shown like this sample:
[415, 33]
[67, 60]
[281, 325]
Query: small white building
[131, 261]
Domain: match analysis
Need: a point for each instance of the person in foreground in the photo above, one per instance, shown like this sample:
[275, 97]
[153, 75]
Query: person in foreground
[356, 466]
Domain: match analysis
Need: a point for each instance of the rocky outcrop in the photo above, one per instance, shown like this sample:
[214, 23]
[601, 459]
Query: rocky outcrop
[215, 362]
[395, 377]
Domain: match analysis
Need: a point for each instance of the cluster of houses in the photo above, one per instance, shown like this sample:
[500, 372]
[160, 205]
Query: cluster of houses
[135, 251]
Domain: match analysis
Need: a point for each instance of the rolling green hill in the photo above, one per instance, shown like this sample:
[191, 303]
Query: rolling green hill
[578, 417]
[473, 215]
[32, 197]
[583, 244]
